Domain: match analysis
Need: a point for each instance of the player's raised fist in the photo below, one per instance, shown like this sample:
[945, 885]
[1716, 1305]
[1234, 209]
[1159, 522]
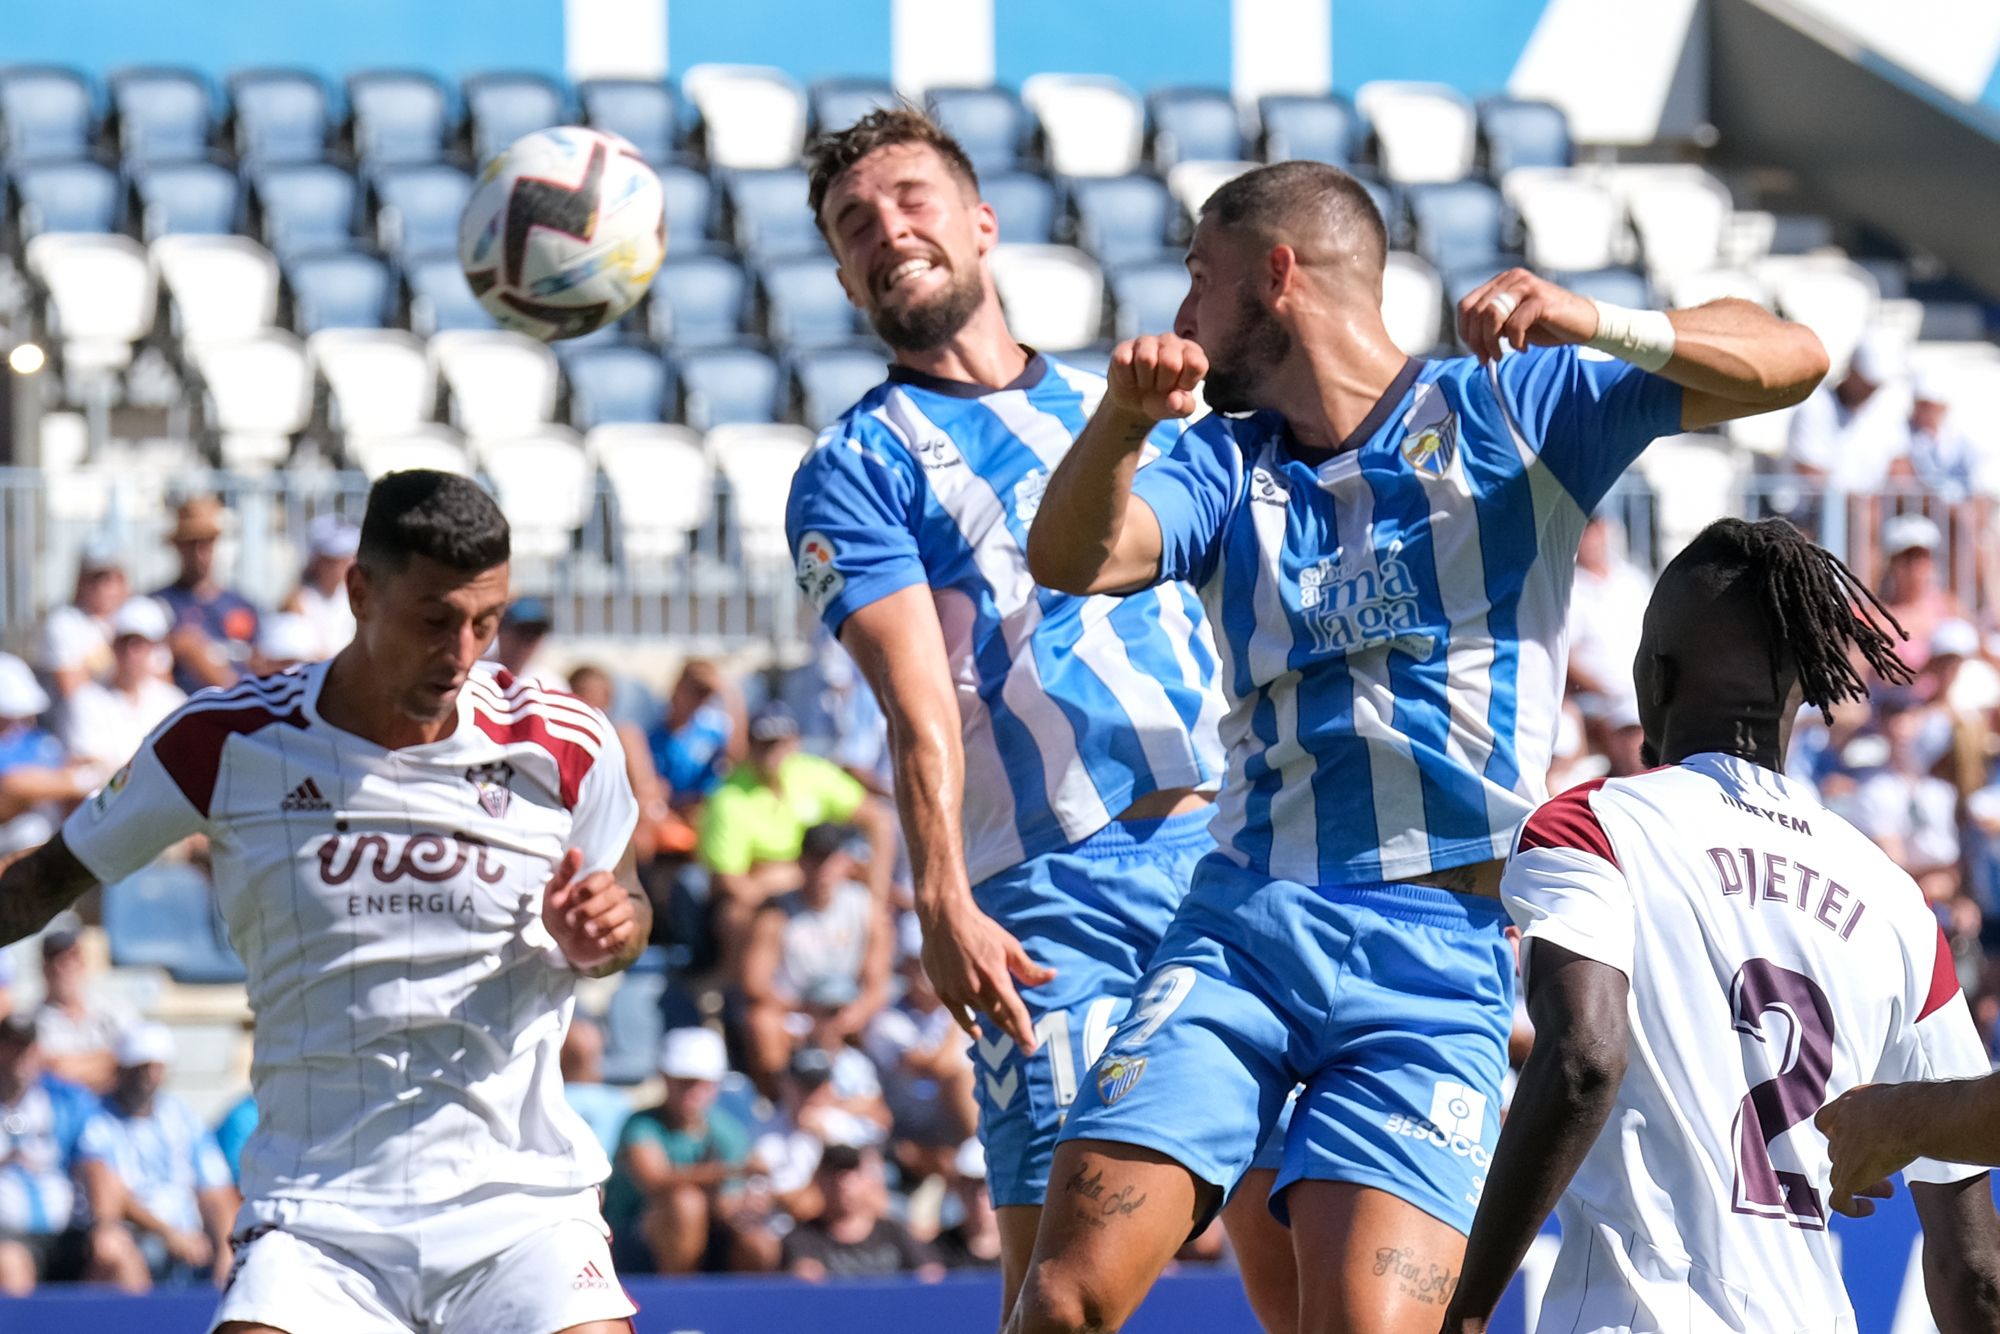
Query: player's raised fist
[1154, 376]
[591, 917]
[1526, 310]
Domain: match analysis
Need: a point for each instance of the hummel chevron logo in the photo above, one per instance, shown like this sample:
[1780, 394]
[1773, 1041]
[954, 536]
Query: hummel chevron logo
[305, 797]
[995, 1050]
[1002, 1091]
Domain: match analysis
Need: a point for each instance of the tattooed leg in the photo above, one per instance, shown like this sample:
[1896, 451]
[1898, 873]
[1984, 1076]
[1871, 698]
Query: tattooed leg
[1370, 1263]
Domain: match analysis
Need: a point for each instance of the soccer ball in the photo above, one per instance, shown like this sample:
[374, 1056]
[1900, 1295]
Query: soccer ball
[563, 232]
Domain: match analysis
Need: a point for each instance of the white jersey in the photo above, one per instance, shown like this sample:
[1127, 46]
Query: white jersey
[1777, 959]
[409, 1002]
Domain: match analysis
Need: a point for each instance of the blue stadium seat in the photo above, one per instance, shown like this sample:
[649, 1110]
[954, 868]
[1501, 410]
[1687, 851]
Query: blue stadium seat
[304, 206]
[1458, 224]
[645, 111]
[1025, 203]
[804, 303]
[439, 298]
[621, 382]
[1191, 124]
[1315, 129]
[728, 386]
[633, 1029]
[501, 107]
[417, 208]
[1617, 285]
[164, 917]
[397, 116]
[835, 104]
[768, 214]
[46, 112]
[187, 197]
[827, 381]
[1521, 133]
[1146, 296]
[1389, 203]
[1120, 218]
[990, 124]
[162, 115]
[278, 115]
[698, 299]
[80, 196]
[340, 289]
[690, 204]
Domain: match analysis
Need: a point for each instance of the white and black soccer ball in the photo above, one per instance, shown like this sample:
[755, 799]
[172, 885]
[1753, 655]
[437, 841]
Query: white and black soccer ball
[563, 232]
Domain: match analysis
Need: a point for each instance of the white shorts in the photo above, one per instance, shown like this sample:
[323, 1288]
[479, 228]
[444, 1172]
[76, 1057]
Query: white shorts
[496, 1261]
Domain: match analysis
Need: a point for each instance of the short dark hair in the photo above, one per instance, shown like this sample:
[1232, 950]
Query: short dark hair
[885, 127]
[437, 515]
[1279, 201]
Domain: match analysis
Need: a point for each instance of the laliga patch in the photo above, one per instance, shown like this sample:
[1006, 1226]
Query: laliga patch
[1430, 440]
[107, 794]
[1117, 1075]
[817, 577]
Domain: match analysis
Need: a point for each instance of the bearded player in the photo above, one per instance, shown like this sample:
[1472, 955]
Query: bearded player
[416, 856]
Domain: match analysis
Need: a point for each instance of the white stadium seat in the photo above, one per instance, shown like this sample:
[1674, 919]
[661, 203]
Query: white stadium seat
[379, 382]
[1425, 131]
[1702, 286]
[1412, 303]
[754, 116]
[501, 384]
[260, 395]
[1054, 295]
[222, 286]
[1094, 125]
[1694, 478]
[1192, 182]
[546, 486]
[1829, 294]
[1681, 217]
[1574, 223]
[758, 463]
[664, 482]
[436, 447]
[101, 295]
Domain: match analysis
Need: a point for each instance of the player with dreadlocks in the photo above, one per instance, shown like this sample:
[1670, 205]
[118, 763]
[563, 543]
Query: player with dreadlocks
[1710, 955]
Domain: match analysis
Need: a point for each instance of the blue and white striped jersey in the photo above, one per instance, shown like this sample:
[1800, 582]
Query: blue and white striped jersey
[1071, 708]
[1391, 617]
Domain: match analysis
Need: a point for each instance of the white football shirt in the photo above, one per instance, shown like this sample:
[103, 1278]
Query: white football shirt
[409, 1002]
[1777, 959]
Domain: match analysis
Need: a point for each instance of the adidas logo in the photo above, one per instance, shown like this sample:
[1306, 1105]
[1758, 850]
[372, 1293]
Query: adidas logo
[590, 1276]
[306, 797]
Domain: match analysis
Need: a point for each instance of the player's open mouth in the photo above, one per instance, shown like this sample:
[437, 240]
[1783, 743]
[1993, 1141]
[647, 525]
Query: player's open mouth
[905, 272]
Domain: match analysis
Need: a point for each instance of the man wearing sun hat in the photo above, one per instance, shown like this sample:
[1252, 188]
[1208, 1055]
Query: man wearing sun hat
[214, 626]
[1911, 586]
[105, 721]
[321, 596]
[1849, 433]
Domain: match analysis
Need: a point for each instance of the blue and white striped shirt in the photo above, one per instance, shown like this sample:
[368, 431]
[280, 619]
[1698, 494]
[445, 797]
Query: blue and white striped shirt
[1071, 708]
[1391, 617]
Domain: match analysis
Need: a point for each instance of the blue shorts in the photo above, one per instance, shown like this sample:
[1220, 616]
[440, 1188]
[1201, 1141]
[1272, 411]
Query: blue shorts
[1389, 1003]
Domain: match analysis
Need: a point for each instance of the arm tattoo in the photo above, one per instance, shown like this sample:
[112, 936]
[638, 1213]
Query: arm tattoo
[36, 885]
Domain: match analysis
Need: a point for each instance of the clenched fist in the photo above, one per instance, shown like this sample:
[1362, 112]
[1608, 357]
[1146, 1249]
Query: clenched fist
[1154, 376]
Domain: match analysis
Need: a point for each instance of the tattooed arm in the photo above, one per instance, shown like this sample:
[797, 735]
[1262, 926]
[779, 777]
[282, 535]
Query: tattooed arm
[36, 885]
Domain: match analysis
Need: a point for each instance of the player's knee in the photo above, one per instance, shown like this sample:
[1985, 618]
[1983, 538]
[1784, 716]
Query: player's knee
[1053, 1303]
[17, 1269]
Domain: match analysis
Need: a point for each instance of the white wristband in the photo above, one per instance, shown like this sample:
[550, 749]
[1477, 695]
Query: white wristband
[1643, 337]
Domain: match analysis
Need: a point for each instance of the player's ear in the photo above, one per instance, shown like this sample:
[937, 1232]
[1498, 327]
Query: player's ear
[986, 227]
[1281, 267]
[358, 589]
[1664, 680]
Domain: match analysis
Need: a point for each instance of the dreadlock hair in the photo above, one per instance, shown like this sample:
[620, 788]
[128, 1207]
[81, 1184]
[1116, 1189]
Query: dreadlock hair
[1812, 606]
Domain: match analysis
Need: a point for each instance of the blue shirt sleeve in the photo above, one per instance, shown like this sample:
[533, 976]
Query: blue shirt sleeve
[849, 521]
[1190, 489]
[1589, 416]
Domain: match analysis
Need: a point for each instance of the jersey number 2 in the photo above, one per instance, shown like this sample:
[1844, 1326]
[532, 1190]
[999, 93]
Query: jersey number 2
[1787, 1098]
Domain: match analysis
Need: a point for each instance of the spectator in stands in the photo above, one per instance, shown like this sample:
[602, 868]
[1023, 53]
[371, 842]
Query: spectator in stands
[284, 641]
[702, 735]
[214, 626]
[921, 1056]
[974, 1241]
[1607, 605]
[1849, 434]
[38, 781]
[232, 1132]
[661, 831]
[78, 1035]
[1941, 457]
[75, 641]
[106, 721]
[42, 1117]
[162, 1201]
[853, 1237]
[1910, 814]
[603, 1108]
[817, 962]
[1910, 587]
[524, 628]
[321, 596]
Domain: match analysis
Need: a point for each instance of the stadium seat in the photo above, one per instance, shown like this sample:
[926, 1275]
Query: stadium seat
[828, 381]
[616, 384]
[990, 124]
[162, 115]
[1680, 216]
[644, 111]
[633, 1029]
[835, 104]
[1423, 131]
[1193, 181]
[164, 917]
[397, 116]
[340, 289]
[1618, 285]
[1146, 296]
[1193, 124]
[219, 287]
[379, 382]
[436, 447]
[79, 196]
[258, 396]
[1456, 225]
[187, 198]
[1572, 221]
[46, 112]
[751, 116]
[278, 115]
[546, 486]
[1120, 218]
[1388, 200]
[1515, 132]
[302, 206]
[726, 386]
[500, 107]
[1024, 203]
[698, 300]
[757, 461]
[438, 297]
[1310, 129]
[1831, 295]
[1091, 125]
[662, 481]
[804, 303]
[768, 216]
[1412, 303]
[497, 383]
[1054, 295]
[102, 295]
[1698, 289]
[417, 208]
[690, 205]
